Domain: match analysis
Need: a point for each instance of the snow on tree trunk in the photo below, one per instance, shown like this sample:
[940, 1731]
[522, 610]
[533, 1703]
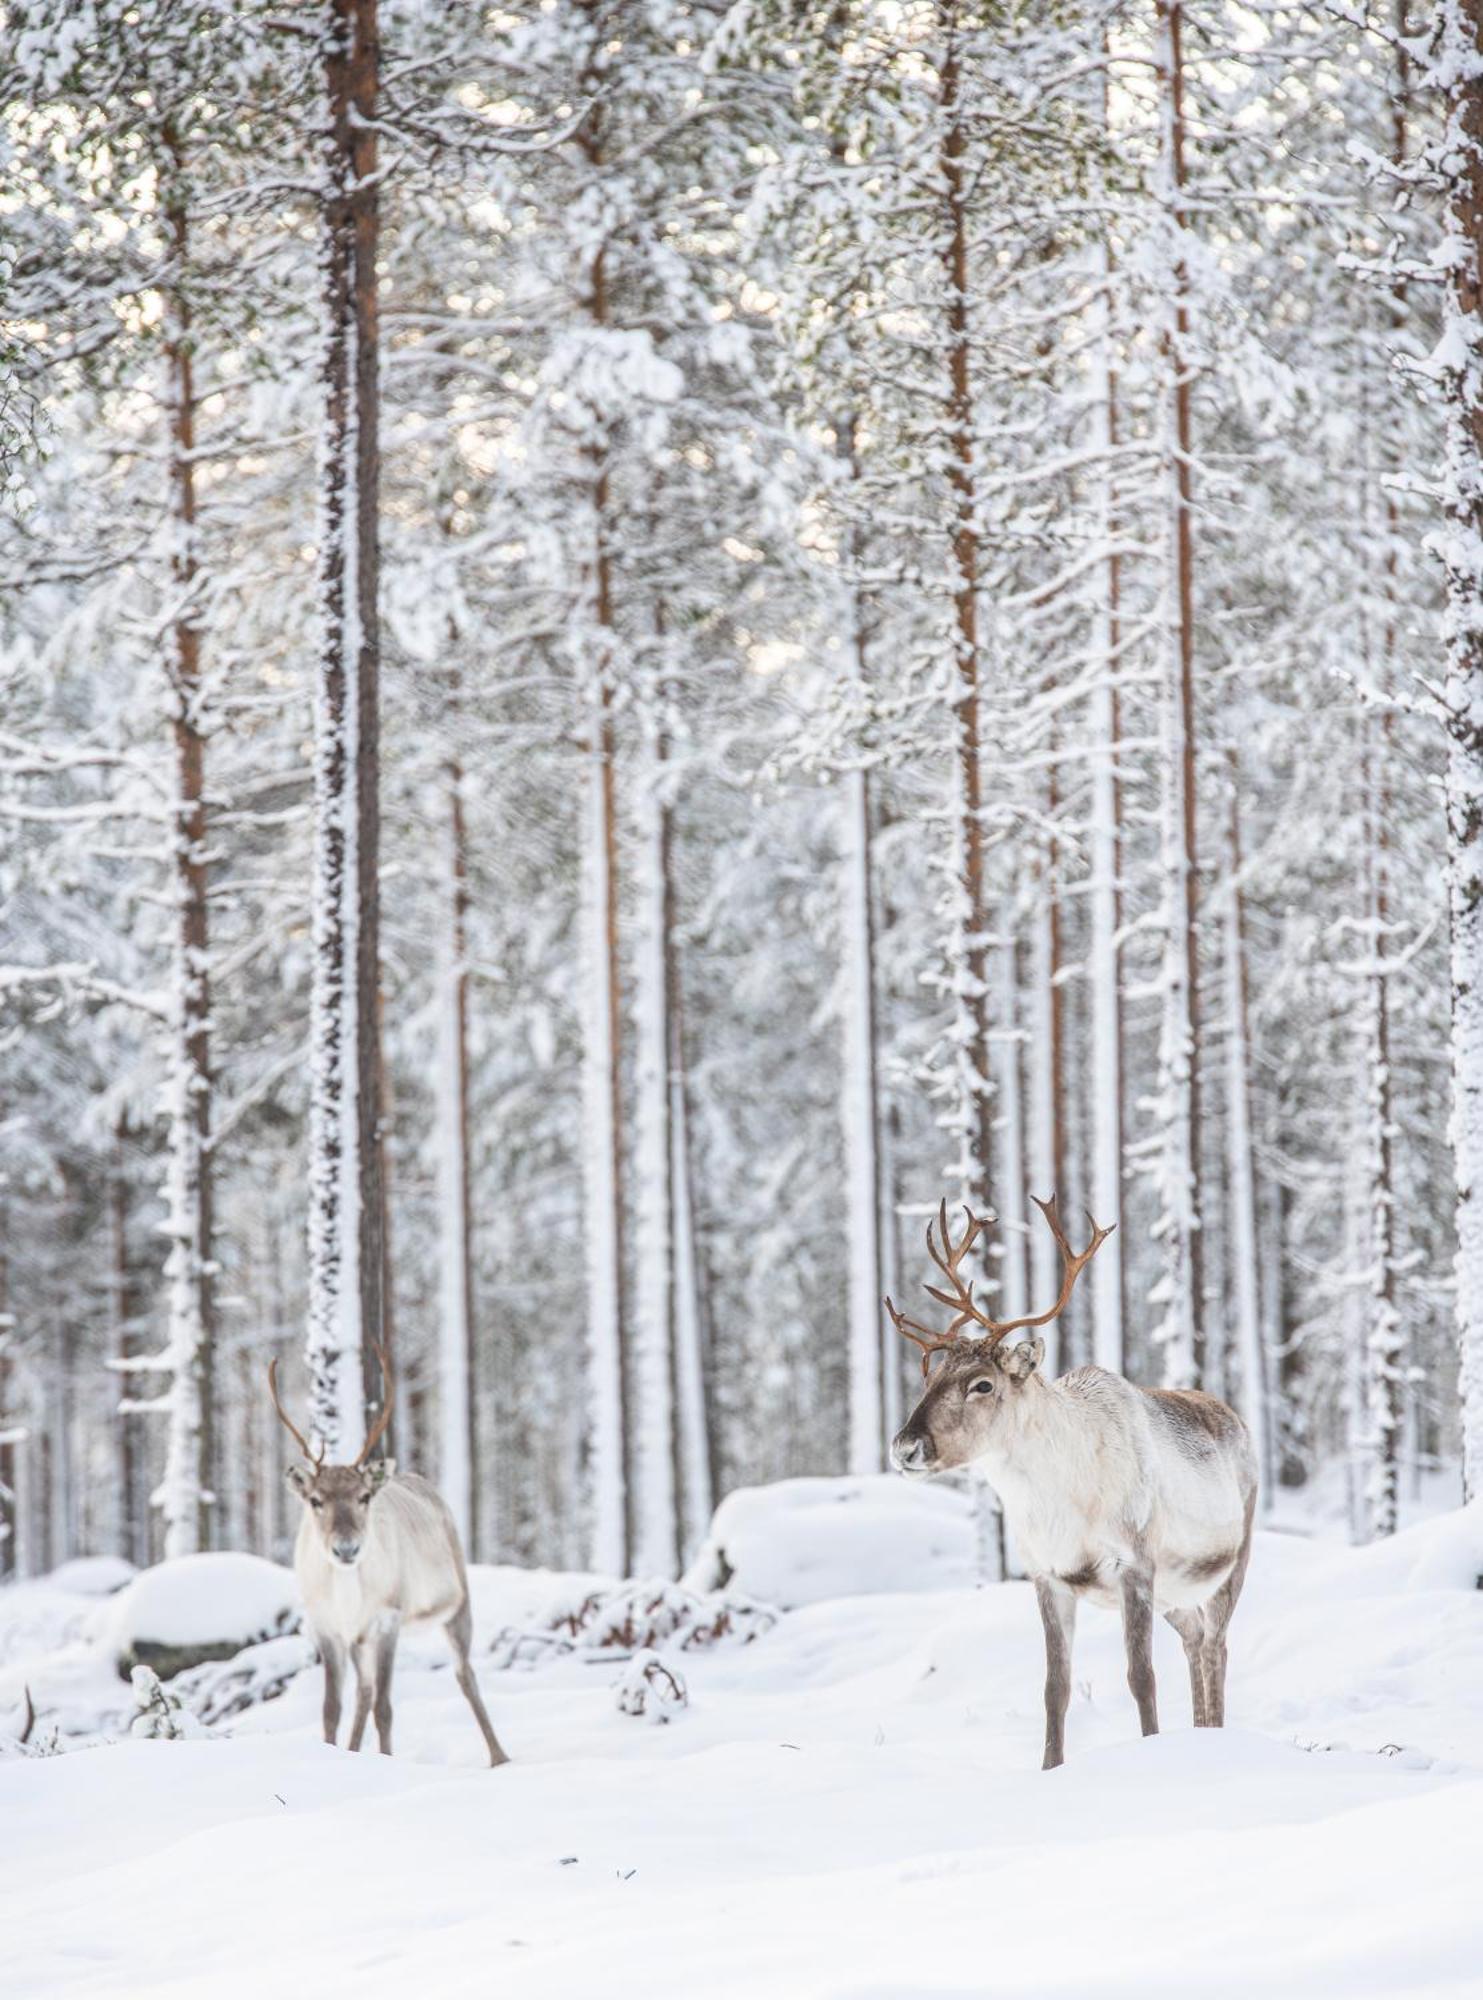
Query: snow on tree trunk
[1384, 1369]
[1457, 73]
[970, 1116]
[1104, 887]
[456, 1402]
[609, 1486]
[1012, 1269]
[692, 1432]
[859, 1105]
[346, 1221]
[655, 1504]
[1178, 1107]
[1041, 1148]
[184, 1493]
[859, 1119]
[1241, 1165]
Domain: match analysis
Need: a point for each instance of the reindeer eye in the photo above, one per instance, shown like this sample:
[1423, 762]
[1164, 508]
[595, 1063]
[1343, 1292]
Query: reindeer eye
[315, 1501]
[983, 1387]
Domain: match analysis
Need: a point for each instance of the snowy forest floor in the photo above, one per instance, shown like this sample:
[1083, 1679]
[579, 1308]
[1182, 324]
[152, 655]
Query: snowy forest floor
[851, 1807]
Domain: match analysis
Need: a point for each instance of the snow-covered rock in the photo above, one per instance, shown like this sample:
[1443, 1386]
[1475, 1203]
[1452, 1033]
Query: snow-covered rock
[198, 1608]
[803, 1541]
[93, 1576]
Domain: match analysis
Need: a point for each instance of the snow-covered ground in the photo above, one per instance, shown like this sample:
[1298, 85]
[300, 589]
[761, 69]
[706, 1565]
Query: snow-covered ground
[851, 1806]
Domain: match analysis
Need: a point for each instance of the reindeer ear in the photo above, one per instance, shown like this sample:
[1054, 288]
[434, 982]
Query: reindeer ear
[379, 1471]
[1024, 1359]
[300, 1479]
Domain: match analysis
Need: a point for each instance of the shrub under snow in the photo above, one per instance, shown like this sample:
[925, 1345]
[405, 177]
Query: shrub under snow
[802, 1541]
[198, 1608]
[650, 1687]
[634, 1617]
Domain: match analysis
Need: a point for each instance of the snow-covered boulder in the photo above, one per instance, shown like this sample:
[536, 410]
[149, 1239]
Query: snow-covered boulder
[198, 1608]
[801, 1541]
[93, 1576]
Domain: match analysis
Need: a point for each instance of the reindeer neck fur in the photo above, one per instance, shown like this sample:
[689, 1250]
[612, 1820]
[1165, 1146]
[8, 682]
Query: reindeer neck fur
[1064, 1461]
[409, 1568]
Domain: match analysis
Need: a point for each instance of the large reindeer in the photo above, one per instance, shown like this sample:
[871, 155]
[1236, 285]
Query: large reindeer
[377, 1549]
[1140, 1499]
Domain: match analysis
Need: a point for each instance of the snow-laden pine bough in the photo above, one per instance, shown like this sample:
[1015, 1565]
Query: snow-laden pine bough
[1140, 1499]
[377, 1549]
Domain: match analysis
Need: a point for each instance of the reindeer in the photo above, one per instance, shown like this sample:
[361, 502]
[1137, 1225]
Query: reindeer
[376, 1549]
[1139, 1499]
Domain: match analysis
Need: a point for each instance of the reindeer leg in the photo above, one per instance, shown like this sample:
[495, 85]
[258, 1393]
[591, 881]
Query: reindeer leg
[1190, 1625]
[1217, 1618]
[1137, 1586]
[1058, 1616]
[386, 1639]
[364, 1687]
[333, 1655]
[460, 1630]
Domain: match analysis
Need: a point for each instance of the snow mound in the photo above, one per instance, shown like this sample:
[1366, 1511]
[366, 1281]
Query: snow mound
[804, 1541]
[198, 1608]
[93, 1576]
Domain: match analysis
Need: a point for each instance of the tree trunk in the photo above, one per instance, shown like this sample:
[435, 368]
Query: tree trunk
[973, 1112]
[1457, 63]
[1105, 887]
[1242, 1249]
[346, 1219]
[457, 1402]
[859, 1107]
[10, 1551]
[1040, 1063]
[1015, 1168]
[1179, 1053]
[133, 1517]
[185, 1493]
[656, 1496]
[697, 1474]
[608, 1439]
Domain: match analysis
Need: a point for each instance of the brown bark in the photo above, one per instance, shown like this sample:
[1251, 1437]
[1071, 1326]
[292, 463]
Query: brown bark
[599, 307]
[190, 834]
[965, 544]
[1178, 369]
[350, 662]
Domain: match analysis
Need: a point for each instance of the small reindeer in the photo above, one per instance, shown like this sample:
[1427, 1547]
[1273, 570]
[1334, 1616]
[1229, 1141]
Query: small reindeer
[1140, 1499]
[377, 1549]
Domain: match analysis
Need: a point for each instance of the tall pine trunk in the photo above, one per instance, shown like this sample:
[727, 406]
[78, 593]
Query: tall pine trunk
[1242, 1253]
[1105, 886]
[656, 1515]
[608, 1429]
[972, 1114]
[696, 1470]
[346, 1217]
[859, 1097]
[1181, 1287]
[1457, 68]
[457, 1401]
[184, 1496]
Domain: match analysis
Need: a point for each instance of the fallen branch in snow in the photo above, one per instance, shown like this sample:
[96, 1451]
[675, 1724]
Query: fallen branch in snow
[635, 1616]
[217, 1690]
[651, 1688]
[514, 1648]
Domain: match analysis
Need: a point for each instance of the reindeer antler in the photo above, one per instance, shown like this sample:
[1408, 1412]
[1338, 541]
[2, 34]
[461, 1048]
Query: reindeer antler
[315, 1458]
[931, 1340]
[959, 1296]
[1074, 1262]
[388, 1397]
